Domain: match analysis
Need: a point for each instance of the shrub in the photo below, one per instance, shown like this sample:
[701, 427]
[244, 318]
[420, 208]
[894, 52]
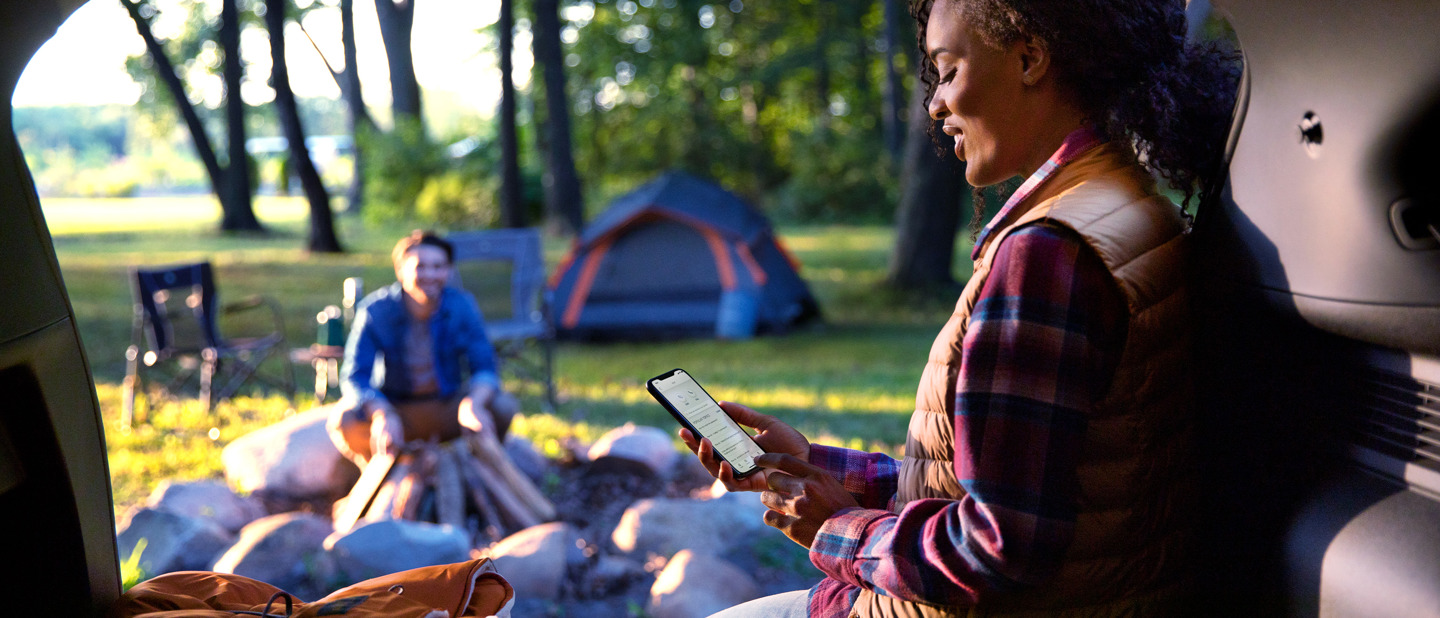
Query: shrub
[397, 166]
[460, 200]
[840, 183]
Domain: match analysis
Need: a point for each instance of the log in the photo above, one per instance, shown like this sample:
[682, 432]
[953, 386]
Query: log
[364, 491]
[512, 509]
[384, 501]
[488, 448]
[475, 489]
[449, 492]
[412, 486]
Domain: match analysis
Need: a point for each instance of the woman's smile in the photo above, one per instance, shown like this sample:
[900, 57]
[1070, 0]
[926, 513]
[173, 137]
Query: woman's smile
[959, 135]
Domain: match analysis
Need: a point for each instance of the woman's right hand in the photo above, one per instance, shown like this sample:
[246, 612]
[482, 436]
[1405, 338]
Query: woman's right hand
[772, 435]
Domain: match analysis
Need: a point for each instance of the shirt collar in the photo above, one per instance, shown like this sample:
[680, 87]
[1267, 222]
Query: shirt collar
[1076, 143]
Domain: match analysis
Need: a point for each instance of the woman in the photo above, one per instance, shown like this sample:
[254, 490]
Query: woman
[1047, 465]
[422, 332]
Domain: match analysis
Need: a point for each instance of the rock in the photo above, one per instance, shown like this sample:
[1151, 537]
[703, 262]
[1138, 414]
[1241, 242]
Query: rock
[286, 551]
[172, 542]
[389, 546]
[690, 473]
[742, 501]
[667, 525]
[593, 495]
[527, 458]
[537, 559]
[610, 574]
[293, 458]
[206, 499]
[648, 445]
[695, 585]
[612, 466]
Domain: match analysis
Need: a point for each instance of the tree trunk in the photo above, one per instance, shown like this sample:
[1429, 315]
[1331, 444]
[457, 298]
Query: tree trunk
[239, 213]
[863, 98]
[322, 237]
[932, 194]
[396, 18]
[165, 70]
[822, 66]
[562, 183]
[894, 102]
[359, 120]
[512, 210]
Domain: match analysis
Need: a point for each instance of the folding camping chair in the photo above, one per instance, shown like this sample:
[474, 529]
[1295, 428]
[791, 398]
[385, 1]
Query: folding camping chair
[181, 335]
[505, 270]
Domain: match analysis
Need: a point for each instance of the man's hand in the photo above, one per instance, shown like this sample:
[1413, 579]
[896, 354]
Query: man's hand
[475, 408]
[386, 432]
[773, 435]
[801, 496]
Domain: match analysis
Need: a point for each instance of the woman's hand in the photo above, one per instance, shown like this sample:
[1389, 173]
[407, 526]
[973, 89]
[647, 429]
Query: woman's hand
[773, 435]
[801, 496]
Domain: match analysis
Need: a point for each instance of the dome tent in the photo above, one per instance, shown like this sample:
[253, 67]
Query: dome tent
[678, 257]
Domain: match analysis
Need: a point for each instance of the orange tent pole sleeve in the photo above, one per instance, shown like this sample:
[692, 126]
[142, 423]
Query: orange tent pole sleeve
[564, 265]
[757, 274]
[582, 286]
[785, 251]
[722, 257]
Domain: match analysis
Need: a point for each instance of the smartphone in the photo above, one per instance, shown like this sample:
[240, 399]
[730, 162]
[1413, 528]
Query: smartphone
[698, 412]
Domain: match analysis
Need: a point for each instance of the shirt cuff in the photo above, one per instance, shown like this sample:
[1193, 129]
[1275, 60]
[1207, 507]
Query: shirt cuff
[356, 398]
[488, 378]
[840, 539]
[832, 459]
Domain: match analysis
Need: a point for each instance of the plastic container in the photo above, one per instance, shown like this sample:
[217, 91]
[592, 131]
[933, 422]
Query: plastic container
[739, 311]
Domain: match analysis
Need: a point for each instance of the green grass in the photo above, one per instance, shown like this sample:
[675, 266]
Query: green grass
[849, 381]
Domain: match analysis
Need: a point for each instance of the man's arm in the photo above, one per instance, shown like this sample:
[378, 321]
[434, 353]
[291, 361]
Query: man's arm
[1040, 349]
[479, 354]
[358, 369]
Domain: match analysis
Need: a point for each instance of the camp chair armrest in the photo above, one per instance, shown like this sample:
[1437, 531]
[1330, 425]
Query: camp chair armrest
[250, 302]
[257, 302]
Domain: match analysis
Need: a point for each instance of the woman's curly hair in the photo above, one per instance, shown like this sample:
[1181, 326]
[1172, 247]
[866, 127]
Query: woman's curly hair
[1130, 68]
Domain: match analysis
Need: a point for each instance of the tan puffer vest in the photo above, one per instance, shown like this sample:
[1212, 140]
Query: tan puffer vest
[1132, 530]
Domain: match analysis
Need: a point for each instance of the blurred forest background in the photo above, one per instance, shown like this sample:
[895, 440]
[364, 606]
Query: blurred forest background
[802, 107]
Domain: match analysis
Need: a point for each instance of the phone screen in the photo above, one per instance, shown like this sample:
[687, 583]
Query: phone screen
[687, 400]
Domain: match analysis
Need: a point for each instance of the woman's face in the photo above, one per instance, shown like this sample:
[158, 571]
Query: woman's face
[423, 272]
[978, 95]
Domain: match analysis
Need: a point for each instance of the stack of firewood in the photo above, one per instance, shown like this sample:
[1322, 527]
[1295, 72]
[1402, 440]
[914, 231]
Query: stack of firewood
[469, 482]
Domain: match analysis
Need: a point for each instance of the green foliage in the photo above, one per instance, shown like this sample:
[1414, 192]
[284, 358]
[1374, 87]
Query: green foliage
[131, 572]
[97, 130]
[79, 150]
[843, 181]
[178, 439]
[64, 172]
[780, 102]
[187, 30]
[398, 164]
[458, 200]
[777, 101]
[410, 177]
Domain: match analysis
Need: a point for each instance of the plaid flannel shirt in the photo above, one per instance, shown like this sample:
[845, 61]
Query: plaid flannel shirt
[1041, 348]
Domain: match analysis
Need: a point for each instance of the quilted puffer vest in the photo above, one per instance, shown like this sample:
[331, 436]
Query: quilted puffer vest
[1133, 528]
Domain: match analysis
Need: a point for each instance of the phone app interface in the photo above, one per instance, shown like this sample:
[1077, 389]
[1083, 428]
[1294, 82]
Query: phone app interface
[706, 416]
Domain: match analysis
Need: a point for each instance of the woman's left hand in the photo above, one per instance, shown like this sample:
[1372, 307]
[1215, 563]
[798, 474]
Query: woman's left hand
[801, 496]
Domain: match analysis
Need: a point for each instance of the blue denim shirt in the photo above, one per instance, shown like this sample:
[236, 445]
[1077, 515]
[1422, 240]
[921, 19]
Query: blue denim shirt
[375, 352]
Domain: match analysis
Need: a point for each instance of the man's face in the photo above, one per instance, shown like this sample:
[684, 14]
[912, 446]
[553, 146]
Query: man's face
[423, 272]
